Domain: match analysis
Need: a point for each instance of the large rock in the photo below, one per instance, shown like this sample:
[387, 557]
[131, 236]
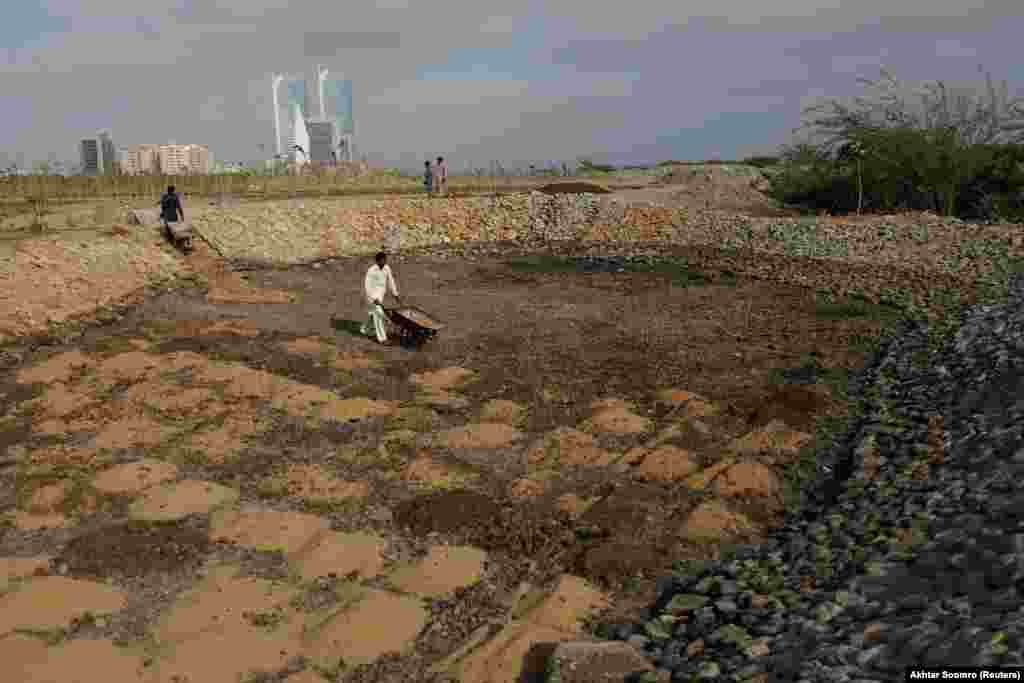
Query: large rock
[589, 662]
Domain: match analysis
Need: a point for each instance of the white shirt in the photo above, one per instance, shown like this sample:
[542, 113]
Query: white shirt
[378, 281]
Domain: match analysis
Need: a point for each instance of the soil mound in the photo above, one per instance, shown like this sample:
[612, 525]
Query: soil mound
[575, 187]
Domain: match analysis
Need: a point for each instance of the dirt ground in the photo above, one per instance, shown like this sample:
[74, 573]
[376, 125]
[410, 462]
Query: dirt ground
[242, 485]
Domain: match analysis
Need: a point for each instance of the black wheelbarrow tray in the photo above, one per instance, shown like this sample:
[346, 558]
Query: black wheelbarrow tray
[415, 326]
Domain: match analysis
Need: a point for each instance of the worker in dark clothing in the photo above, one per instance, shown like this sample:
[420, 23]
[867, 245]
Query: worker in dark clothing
[170, 207]
[172, 212]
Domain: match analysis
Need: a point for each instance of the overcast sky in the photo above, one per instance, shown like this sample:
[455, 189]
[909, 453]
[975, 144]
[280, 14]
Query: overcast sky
[633, 81]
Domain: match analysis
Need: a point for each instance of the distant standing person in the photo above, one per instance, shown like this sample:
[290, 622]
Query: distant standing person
[428, 177]
[440, 177]
[376, 285]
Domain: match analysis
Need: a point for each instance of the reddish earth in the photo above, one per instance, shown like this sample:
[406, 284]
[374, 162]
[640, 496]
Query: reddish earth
[223, 486]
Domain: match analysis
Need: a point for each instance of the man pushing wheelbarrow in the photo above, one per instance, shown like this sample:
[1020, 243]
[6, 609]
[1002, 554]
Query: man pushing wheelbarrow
[414, 325]
[379, 279]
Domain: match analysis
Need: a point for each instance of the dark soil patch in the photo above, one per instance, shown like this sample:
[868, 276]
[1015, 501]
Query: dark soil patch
[133, 549]
[795, 405]
[574, 187]
[446, 513]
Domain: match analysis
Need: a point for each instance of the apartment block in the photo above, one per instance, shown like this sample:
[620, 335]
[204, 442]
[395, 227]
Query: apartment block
[142, 159]
[184, 159]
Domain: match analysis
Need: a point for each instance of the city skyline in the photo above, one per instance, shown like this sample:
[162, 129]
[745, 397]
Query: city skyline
[321, 103]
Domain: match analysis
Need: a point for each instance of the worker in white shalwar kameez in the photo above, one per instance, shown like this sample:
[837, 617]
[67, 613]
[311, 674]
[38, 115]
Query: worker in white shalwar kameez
[378, 281]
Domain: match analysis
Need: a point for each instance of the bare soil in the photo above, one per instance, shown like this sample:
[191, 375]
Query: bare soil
[602, 425]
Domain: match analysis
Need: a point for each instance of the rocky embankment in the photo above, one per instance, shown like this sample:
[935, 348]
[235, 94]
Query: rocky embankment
[909, 547]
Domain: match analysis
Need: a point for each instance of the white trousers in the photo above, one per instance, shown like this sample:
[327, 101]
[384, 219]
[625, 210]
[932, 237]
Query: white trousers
[375, 324]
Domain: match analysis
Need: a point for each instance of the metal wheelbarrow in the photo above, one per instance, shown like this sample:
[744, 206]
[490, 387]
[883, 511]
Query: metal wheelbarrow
[415, 326]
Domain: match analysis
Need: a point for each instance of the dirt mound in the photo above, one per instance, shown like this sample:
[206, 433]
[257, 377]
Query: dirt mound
[446, 512]
[132, 549]
[574, 187]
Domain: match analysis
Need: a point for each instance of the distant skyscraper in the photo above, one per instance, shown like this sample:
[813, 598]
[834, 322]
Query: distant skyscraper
[109, 156]
[322, 141]
[91, 156]
[317, 100]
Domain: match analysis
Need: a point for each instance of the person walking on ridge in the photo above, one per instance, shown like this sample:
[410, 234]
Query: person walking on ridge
[170, 207]
[440, 177]
[428, 177]
[378, 281]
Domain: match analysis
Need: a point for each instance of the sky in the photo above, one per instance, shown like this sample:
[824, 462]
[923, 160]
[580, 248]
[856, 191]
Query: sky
[530, 81]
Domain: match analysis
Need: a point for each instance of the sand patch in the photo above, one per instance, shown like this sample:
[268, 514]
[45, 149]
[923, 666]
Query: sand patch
[79, 660]
[45, 603]
[775, 440]
[220, 602]
[342, 555]
[47, 498]
[170, 502]
[568, 446]
[381, 623]
[614, 416]
[748, 479]
[667, 464]
[442, 380]
[183, 360]
[167, 397]
[498, 410]
[526, 488]
[313, 347]
[60, 426]
[31, 521]
[313, 483]
[59, 401]
[426, 471]
[13, 568]
[134, 477]
[481, 435]
[344, 410]
[713, 521]
[241, 327]
[131, 366]
[60, 455]
[444, 570]
[130, 432]
[227, 627]
[59, 368]
[221, 444]
[288, 532]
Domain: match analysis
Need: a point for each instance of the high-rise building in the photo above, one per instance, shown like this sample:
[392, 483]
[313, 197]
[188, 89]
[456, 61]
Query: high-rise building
[313, 103]
[91, 156]
[322, 142]
[109, 152]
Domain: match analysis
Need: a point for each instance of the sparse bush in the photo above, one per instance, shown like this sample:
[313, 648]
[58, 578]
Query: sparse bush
[955, 155]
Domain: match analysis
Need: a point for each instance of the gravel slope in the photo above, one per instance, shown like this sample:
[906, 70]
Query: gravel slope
[913, 532]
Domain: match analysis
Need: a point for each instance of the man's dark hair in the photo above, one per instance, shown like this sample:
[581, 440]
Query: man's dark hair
[381, 256]
[426, 163]
[440, 158]
[170, 189]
